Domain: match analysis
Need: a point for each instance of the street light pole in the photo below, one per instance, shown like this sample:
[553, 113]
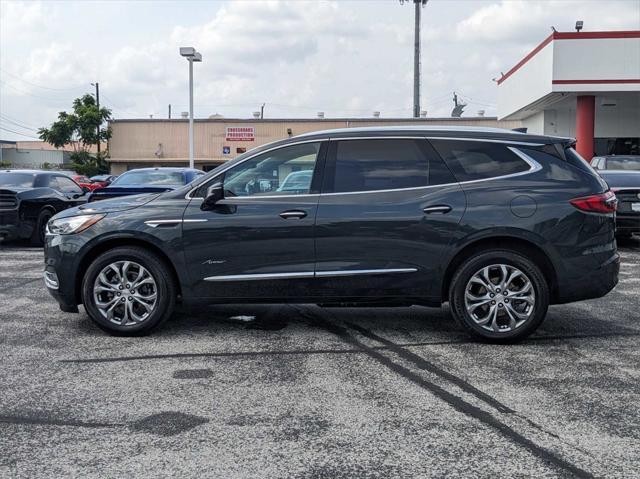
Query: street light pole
[191, 55]
[191, 162]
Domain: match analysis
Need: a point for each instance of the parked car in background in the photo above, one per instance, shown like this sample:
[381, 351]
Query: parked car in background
[103, 180]
[146, 180]
[29, 198]
[85, 182]
[617, 162]
[626, 185]
[499, 224]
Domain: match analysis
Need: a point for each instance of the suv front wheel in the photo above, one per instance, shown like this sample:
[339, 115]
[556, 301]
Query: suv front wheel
[499, 295]
[128, 291]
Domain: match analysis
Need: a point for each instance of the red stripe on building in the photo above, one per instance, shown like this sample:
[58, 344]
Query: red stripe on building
[594, 82]
[570, 36]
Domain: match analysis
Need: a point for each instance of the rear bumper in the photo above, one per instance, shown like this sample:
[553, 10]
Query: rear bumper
[593, 284]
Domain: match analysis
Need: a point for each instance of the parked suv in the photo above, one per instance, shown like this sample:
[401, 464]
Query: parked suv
[498, 223]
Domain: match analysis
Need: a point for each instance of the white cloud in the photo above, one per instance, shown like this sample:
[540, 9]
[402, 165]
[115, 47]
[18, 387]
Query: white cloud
[344, 58]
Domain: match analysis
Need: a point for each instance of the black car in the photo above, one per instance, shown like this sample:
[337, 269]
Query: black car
[146, 180]
[500, 224]
[29, 198]
[626, 185]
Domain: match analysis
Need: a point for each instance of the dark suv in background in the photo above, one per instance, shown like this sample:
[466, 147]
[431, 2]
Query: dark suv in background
[498, 223]
[29, 198]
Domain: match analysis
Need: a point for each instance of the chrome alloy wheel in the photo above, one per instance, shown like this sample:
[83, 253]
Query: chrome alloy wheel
[500, 298]
[125, 293]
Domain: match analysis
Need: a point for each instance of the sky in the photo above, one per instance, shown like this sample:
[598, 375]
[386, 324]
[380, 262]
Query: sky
[346, 58]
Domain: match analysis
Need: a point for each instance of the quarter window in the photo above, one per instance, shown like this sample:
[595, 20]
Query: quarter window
[477, 160]
[285, 171]
[384, 164]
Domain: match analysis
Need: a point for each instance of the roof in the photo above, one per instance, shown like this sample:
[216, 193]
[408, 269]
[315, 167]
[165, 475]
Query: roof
[436, 131]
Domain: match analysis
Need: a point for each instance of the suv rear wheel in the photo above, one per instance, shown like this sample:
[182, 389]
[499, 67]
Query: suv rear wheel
[499, 295]
[128, 291]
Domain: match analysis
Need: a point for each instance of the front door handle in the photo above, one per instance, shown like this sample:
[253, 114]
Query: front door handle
[442, 209]
[293, 214]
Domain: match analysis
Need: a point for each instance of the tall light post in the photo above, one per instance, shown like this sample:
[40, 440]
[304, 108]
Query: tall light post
[418, 4]
[191, 55]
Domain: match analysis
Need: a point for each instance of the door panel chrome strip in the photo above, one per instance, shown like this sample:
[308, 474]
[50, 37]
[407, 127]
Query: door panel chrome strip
[254, 277]
[358, 272]
[308, 274]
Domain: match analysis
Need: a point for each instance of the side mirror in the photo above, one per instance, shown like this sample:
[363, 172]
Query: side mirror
[85, 190]
[215, 193]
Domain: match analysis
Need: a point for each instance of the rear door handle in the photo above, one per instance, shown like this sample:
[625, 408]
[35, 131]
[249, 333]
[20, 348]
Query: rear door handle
[442, 209]
[293, 214]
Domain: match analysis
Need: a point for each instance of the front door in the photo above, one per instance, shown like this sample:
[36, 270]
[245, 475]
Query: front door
[257, 242]
[389, 209]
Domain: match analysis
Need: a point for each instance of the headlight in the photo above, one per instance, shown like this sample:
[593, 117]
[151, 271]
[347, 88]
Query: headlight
[73, 224]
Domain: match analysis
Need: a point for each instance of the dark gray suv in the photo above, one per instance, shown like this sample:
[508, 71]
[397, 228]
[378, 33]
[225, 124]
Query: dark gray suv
[498, 223]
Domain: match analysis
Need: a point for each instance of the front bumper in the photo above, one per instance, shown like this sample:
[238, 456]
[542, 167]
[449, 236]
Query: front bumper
[13, 227]
[59, 271]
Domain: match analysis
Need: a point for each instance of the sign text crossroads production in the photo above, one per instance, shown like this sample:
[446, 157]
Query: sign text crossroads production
[240, 133]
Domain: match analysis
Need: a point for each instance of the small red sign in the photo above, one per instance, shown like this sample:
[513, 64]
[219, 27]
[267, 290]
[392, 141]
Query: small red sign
[240, 133]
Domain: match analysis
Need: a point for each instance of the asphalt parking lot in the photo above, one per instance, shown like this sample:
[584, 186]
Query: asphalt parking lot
[306, 392]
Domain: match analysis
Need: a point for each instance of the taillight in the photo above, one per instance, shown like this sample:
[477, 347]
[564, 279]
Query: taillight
[600, 203]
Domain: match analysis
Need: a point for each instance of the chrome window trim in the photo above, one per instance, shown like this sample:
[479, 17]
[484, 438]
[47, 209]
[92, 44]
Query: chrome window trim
[534, 165]
[308, 274]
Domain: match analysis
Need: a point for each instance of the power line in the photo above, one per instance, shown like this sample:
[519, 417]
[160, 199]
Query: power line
[40, 86]
[16, 123]
[18, 133]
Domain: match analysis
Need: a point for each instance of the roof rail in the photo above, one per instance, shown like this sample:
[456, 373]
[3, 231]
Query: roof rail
[520, 130]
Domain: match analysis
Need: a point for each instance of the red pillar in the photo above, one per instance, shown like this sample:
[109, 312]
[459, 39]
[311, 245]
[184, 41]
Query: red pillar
[585, 119]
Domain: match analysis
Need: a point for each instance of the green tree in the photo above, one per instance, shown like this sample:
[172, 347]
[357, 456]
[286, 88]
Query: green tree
[80, 129]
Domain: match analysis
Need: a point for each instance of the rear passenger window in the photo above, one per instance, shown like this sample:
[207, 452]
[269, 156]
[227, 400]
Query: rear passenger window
[385, 164]
[477, 160]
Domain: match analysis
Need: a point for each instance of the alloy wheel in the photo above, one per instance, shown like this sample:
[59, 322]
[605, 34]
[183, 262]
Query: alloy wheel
[125, 293]
[500, 298]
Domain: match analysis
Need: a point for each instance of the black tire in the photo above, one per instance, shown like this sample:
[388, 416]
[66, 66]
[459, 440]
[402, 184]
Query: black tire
[37, 236]
[492, 257]
[164, 280]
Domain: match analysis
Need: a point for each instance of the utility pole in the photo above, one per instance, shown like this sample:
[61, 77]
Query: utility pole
[97, 85]
[418, 4]
[169, 111]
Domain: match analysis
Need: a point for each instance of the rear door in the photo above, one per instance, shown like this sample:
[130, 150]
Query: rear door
[388, 211]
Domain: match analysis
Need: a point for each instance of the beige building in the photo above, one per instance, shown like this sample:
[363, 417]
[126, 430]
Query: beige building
[159, 142]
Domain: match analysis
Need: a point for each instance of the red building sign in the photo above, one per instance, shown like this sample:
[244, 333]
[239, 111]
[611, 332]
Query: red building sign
[240, 133]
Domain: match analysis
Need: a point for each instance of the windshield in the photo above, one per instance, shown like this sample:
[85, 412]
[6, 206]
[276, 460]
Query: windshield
[17, 179]
[150, 178]
[628, 163]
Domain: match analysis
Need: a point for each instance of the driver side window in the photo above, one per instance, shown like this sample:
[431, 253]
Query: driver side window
[285, 171]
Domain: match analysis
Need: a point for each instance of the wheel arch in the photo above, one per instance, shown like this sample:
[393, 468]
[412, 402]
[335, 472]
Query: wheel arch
[513, 243]
[112, 243]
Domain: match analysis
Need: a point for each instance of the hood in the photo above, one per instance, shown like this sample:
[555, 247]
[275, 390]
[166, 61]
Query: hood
[110, 206]
[621, 178]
